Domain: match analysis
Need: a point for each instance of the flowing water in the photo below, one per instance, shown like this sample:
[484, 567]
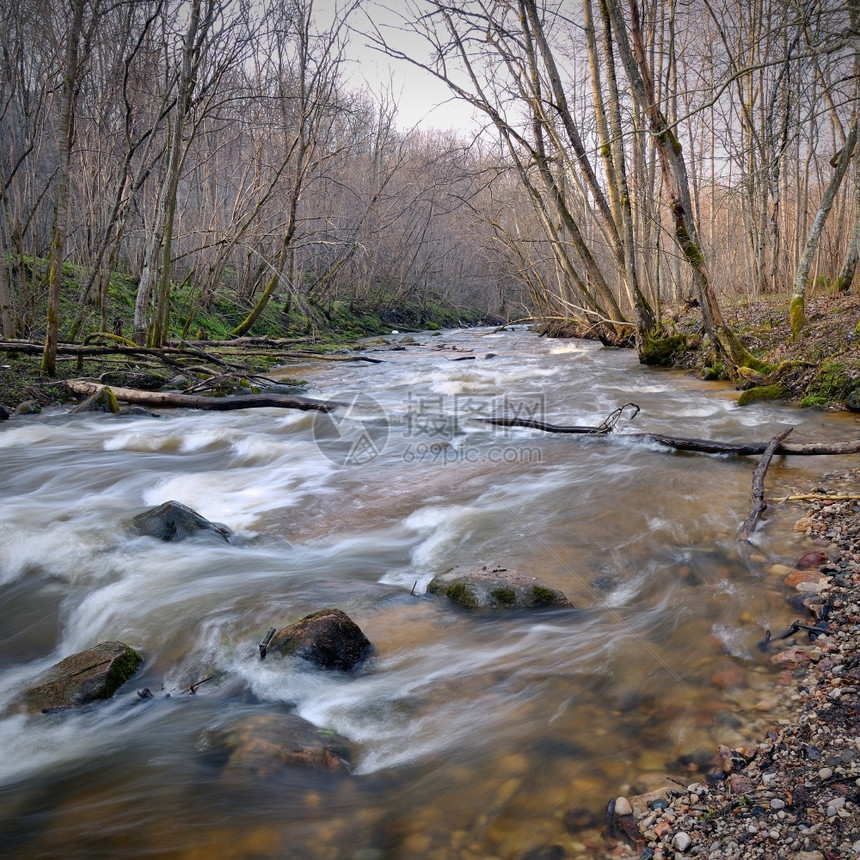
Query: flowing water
[471, 734]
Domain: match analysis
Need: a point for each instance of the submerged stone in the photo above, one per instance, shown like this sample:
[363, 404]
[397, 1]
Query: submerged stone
[495, 588]
[328, 638]
[263, 744]
[88, 676]
[174, 521]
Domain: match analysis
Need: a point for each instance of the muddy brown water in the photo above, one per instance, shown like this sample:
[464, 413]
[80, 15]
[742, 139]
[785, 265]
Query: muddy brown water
[472, 735]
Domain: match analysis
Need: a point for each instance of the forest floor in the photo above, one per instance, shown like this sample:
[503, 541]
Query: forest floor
[820, 368]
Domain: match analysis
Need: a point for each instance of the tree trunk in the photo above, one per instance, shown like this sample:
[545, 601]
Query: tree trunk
[185, 89]
[66, 131]
[677, 187]
[797, 312]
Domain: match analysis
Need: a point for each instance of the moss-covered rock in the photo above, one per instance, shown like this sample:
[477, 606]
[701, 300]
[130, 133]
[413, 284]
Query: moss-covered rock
[763, 392]
[104, 400]
[328, 638]
[88, 676]
[662, 351]
[495, 588]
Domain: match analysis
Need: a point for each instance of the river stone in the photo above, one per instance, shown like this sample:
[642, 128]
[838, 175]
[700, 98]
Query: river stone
[328, 638]
[4, 413]
[763, 392]
[495, 588]
[88, 676]
[174, 521]
[264, 743]
[104, 400]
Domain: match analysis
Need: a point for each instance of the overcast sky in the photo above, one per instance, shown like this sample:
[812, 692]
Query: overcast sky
[417, 93]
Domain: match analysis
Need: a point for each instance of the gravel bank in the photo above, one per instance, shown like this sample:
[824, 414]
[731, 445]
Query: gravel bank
[794, 795]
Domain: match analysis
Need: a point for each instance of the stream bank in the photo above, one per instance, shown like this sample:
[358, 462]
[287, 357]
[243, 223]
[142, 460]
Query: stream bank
[795, 794]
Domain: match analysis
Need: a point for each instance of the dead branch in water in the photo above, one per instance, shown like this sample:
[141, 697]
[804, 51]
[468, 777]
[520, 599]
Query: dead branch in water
[683, 443]
[607, 426]
[759, 506]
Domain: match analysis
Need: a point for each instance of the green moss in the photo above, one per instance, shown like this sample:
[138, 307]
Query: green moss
[504, 596]
[126, 665]
[797, 315]
[458, 593]
[662, 350]
[107, 400]
[541, 596]
[832, 384]
[763, 392]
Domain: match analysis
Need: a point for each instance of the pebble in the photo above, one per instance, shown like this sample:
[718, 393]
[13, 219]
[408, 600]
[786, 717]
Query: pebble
[622, 806]
[682, 841]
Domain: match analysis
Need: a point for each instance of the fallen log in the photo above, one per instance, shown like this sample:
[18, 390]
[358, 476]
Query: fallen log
[701, 446]
[322, 356]
[174, 400]
[759, 505]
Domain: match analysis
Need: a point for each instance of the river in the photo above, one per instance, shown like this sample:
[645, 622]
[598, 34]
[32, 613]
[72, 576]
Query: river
[472, 735]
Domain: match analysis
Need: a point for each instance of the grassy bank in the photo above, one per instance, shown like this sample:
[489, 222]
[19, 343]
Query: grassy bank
[196, 320]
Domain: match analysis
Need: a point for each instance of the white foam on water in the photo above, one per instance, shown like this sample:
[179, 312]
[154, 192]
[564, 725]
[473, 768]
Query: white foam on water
[24, 434]
[56, 742]
[394, 712]
[733, 640]
[237, 496]
[63, 550]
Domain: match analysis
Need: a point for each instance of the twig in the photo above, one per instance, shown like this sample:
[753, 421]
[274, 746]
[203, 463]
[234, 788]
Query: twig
[192, 688]
[264, 644]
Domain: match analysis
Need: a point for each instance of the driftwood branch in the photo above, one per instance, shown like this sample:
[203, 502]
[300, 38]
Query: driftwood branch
[759, 505]
[169, 399]
[607, 426]
[700, 446]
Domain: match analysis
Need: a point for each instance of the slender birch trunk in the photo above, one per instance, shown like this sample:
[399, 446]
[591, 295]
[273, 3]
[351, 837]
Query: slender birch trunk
[797, 313]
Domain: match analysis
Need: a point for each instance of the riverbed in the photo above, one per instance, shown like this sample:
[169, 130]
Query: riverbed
[471, 735]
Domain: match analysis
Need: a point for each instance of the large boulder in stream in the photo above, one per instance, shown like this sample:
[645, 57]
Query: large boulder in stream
[328, 638]
[88, 676]
[495, 588]
[104, 400]
[174, 521]
[263, 744]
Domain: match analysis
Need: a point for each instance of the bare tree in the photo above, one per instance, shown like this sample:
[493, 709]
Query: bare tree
[65, 137]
